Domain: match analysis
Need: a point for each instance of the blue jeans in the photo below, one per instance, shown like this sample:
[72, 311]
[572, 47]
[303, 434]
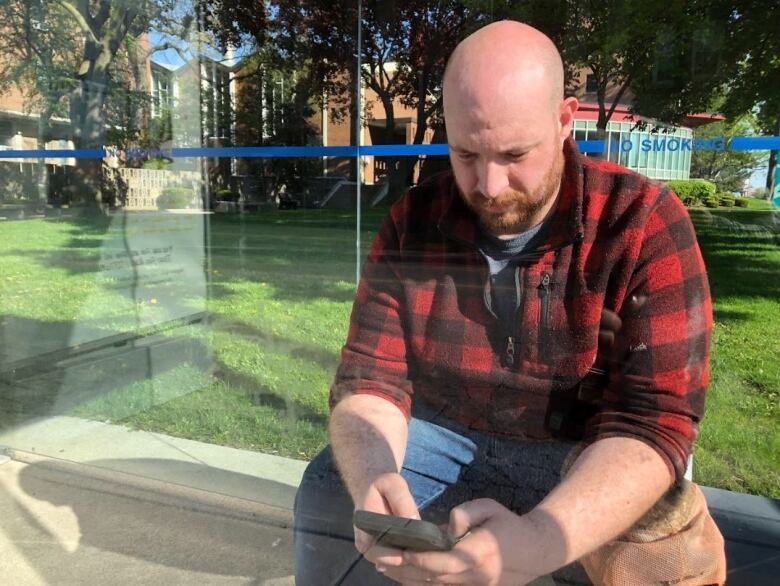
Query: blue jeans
[445, 465]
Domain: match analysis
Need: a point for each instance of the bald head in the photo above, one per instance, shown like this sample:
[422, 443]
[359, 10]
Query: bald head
[507, 122]
[505, 56]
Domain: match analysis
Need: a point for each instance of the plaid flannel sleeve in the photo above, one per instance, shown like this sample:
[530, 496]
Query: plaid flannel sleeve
[374, 357]
[656, 392]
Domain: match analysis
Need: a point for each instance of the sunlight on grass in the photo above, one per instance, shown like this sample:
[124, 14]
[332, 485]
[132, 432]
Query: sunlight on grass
[280, 291]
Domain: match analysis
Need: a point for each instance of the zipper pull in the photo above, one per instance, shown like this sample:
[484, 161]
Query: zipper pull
[510, 351]
[546, 282]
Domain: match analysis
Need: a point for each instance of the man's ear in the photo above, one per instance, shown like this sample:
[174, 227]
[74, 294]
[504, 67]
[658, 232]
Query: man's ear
[566, 116]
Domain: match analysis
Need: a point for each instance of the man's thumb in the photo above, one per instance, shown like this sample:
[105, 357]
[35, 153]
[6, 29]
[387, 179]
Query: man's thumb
[472, 514]
[395, 491]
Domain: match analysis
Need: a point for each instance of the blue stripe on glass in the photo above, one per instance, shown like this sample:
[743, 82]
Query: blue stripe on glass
[755, 143]
[392, 150]
[744, 143]
[591, 146]
[403, 150]
[54, 154]
[261, 152]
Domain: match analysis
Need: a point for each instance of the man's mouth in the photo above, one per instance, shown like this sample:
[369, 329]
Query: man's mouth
[500, 209]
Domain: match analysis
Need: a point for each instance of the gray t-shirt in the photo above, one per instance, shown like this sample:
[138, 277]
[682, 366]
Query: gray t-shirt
[501, 256]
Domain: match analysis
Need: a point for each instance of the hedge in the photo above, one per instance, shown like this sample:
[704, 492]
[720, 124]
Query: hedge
[726, 199]
[711, 201]
[175, 198]
[692, 191]
[742, 202]
[226, 195]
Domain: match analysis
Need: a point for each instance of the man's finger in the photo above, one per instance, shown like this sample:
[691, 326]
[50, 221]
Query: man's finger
[381, 554]
[395, 491]
[408, 575]
[606, 338]
[634, 304]
[468, 577]
[437, 563]
[610, 320]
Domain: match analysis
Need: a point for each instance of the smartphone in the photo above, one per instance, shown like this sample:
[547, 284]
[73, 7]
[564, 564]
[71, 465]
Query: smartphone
[402, 533]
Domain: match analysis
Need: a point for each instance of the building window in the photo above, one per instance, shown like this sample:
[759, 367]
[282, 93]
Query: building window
[161, 93]
[591, 86]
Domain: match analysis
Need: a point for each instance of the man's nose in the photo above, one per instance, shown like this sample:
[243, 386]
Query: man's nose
[492, 179]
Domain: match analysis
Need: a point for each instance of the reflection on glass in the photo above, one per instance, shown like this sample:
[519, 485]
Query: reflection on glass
[207, 293]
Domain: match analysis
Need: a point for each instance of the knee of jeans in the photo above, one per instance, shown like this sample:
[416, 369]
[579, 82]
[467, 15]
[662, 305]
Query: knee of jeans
[320, 482]
[570, 458]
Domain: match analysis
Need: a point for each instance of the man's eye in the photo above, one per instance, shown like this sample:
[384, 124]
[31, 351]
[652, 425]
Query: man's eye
[515, 156]
[467, 156]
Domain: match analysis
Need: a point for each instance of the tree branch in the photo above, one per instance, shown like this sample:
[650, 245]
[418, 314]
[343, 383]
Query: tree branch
[619, 95]
[80, 18]
[102, 16]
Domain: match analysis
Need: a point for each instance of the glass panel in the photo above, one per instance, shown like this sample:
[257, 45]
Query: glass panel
[633, 153]
[188, 195]
[153, 279]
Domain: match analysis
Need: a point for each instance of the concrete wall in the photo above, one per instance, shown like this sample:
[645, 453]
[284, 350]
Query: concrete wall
[144, 186]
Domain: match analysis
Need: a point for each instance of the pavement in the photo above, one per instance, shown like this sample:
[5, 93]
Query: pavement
[85, 502]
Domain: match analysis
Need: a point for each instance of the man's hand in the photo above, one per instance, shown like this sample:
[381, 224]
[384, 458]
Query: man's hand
[389, 495]
[487, 553]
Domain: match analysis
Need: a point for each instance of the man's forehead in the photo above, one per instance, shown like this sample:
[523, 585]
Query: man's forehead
[516, 146]
[506, 119]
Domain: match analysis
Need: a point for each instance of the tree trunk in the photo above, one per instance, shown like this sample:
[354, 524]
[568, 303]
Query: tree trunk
[433, 165]
[87, 118]
[601, 123]
[87, 100]
[44, 136]
[772, 169]
[395, 165]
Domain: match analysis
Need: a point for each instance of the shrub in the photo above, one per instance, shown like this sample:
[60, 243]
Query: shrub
[725, 199]
[741, 202]
[157, 163]
[175, 198]
[692, 191]
[711, 201]
[226, 195]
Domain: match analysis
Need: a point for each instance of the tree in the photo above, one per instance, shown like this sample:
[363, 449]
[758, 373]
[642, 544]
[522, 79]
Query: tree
[105, 24]
[38, 60]
[656, 65]
[281, 86]
[66, 53]
[403, 52]
[727, 169]
[754, 48]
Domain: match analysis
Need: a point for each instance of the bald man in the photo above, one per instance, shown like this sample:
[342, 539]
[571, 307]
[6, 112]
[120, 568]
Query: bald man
[530, 312]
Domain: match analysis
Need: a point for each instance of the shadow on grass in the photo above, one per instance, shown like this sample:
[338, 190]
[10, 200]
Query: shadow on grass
[261, 396]
[741, 255]
[723, 315]
[324, 358]
[292, 288]
[78, 253]
[305, 255]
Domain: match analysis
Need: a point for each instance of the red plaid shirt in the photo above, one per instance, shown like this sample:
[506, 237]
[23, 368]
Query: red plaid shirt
[422, 324]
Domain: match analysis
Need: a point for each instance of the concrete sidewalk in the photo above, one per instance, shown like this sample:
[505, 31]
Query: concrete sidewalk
[85, 502]
[253, 476]
[60, 526]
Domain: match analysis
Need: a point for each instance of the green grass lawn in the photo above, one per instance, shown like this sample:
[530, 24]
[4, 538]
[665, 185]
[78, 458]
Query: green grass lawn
[256, 374]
